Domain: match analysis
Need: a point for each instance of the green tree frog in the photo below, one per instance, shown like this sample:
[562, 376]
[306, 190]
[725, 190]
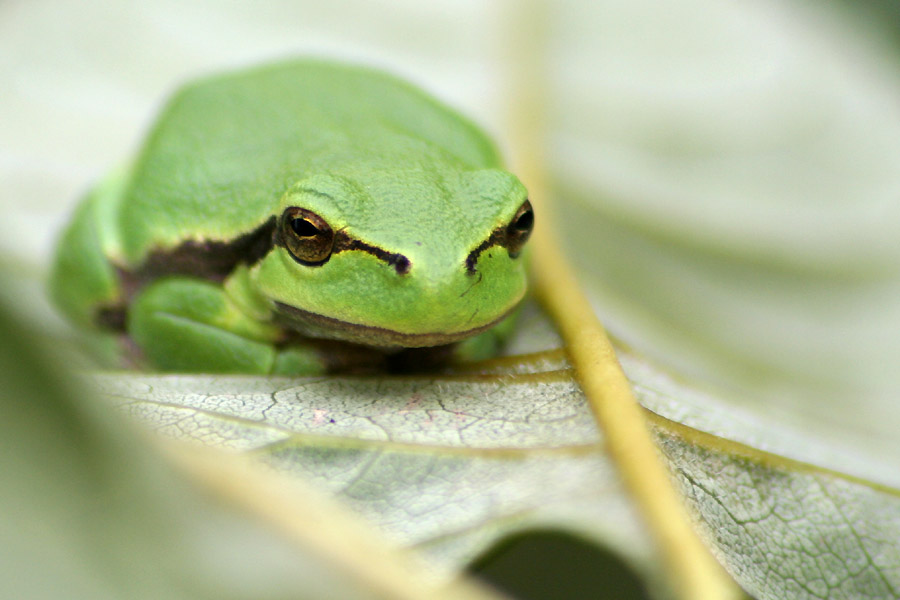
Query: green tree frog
[300, 218]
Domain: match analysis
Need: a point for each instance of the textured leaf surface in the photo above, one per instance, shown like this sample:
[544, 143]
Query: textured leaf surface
[89, 509]
[453, 464]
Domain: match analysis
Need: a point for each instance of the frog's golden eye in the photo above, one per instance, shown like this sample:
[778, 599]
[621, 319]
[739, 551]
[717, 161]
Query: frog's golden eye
[519, 229]
[306, 235]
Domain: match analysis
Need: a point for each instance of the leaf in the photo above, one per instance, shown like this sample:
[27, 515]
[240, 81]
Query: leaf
[731, 185]
[732, 173]
[88, 509]
[452, 465]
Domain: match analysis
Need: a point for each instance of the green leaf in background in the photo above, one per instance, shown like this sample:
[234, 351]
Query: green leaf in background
[732, 178]
[452, 465]
[89, 508]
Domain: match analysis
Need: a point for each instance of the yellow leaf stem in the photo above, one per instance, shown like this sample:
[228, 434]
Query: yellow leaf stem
[692, 571]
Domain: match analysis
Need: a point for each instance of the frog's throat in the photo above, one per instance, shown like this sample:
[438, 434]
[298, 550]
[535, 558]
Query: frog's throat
[320, 326]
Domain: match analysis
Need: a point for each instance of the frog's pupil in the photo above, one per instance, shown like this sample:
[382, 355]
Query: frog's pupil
[304, 228]
[525, 221]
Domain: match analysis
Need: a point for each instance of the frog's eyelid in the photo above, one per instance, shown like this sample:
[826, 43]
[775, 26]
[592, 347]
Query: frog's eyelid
[312, 192]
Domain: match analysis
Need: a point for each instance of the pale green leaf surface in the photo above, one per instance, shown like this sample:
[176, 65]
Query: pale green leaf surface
[732, 178]
[788, 533]
[451, 465]
[90, 510]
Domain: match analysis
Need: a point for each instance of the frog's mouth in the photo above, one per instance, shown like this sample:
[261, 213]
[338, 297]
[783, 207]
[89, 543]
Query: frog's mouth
[319, 326]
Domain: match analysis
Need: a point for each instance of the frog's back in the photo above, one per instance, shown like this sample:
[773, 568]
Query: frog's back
[226, 148]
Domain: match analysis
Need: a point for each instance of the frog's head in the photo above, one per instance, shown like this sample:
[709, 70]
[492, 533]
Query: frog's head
[394, 257]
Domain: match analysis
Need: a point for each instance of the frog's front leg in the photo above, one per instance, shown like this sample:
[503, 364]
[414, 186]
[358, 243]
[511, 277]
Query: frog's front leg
[192, 325]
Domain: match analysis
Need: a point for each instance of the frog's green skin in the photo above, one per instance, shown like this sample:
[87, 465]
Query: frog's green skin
[188, 252]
